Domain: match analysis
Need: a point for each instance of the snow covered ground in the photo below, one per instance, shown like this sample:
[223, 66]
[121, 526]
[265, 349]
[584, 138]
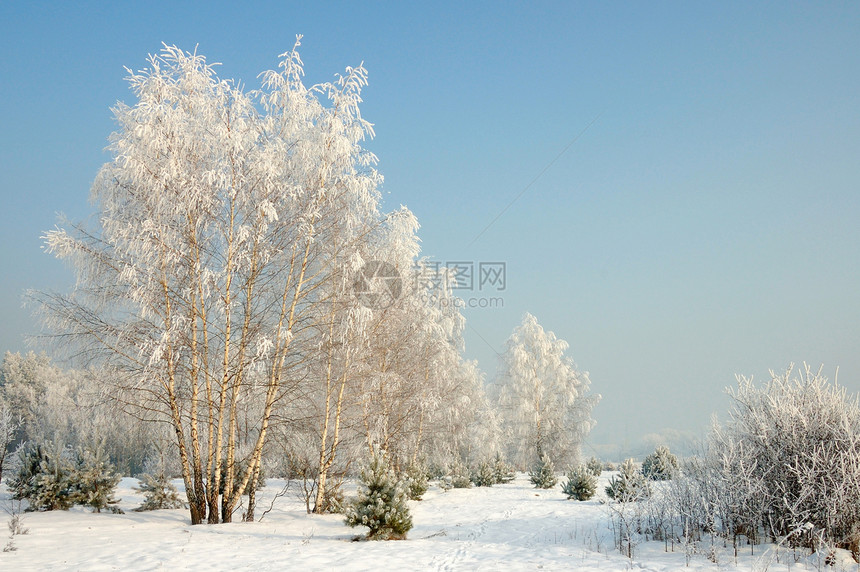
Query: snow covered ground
[506, 527]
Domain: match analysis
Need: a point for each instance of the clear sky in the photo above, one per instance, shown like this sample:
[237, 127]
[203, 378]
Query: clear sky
[701, 222]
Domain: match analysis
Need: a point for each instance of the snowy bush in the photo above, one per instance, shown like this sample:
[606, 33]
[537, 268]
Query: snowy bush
[381, 504]
[581, 484]
[629, 485]
[484, 475]
[594, 466]
[661, 465]
[542, 474]
[158, 493]
[416, 481]
[502, 471]
[459, 475]
[94, 481]
[789, 458]
[785, 465]
[50, 478]
[44, 477]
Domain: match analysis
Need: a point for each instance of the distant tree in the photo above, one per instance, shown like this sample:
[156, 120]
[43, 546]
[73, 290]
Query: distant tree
[543, 398]
[70, 407]
[416, 480]
[459, 475]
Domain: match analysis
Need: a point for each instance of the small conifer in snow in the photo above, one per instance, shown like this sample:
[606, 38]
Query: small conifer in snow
[581, 483]
[661, 465]
[542, 474]
[502, 472]
[158, 493]
[416, 481]
[94, 481]
[629, 485]
[461, 477]
[44, 478]
[381, 504]
[484, 476]
[595, 466]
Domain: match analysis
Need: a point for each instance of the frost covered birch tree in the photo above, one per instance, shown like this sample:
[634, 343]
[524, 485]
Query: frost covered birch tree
[543, 399]
[222, 221]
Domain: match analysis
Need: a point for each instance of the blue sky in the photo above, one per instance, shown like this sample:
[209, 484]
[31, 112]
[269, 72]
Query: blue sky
[704, 224]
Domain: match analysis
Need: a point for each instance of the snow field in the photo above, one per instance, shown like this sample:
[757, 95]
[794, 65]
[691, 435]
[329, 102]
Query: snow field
[505, 527]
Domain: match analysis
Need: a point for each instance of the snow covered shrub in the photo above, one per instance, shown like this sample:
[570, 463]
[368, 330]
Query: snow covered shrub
[94, 481]
[629, 485]
[459, 475]
[44, 477]
[381, 504]
[661, 465]
[581, 483]
[594, 466]
[789, 458]
[542, 474]
[484, 475]
[416, 481]
[158, 493]
[445, 483]
[502, 471]
[49, 478]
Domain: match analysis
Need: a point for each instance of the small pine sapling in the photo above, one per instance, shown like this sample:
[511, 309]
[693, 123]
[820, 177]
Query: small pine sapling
[381, 504]
[502, 472]
[94, 481]
[416, 481]
[542, 474]
[629, 485]
[461, 477]
[44, 478]
[581, 484]
[661, 465]
[484, 476]
[158, 493]
[595, 466]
